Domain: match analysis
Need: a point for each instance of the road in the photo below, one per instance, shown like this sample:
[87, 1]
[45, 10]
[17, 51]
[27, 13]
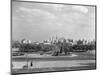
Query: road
[42, 63]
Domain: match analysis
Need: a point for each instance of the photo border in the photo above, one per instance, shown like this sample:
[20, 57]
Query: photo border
[51, 3]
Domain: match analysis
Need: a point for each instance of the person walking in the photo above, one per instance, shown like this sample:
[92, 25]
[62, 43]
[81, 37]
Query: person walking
[31, 64]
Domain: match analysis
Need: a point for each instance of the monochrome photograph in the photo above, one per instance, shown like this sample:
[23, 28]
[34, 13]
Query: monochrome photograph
[52, 37]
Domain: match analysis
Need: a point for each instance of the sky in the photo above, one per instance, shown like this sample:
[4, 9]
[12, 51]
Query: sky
[41, 21]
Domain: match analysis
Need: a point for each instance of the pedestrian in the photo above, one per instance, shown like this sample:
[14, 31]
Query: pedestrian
[31, 64]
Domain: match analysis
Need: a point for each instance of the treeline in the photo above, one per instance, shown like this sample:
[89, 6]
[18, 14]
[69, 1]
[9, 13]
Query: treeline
[69, 46]
[83, 47]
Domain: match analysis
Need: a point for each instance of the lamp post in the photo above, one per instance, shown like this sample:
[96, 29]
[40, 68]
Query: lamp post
[26, 48]
[27, 61]
[27, 55]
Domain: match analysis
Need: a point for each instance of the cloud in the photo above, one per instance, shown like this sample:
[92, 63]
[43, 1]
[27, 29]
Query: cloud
[42, 21]
[57, 7]
[38, 12]
[82, 9]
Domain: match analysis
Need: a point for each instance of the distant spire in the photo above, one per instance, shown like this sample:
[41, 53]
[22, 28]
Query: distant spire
[56, 37]
[52, 39]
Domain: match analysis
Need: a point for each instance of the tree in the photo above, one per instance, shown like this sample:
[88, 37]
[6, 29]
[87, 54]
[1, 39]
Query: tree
[55, 49]
[80, 42]
[15, 44]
